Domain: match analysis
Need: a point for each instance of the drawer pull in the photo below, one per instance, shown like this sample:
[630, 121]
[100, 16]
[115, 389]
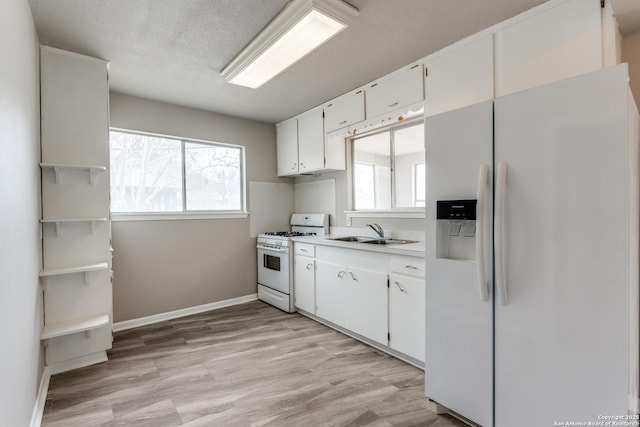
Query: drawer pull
[344, 122]
[309, 266]
[303, 250]
[392, 105]
[341, 273]
[399, 286]
[353, 276]
[411, 267]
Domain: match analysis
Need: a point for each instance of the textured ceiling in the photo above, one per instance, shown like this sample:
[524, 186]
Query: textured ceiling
[173, 50]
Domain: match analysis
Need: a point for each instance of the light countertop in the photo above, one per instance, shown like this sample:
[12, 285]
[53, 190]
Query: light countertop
[409, 249]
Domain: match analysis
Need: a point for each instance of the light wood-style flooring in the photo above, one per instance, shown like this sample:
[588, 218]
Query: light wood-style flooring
[247, 365]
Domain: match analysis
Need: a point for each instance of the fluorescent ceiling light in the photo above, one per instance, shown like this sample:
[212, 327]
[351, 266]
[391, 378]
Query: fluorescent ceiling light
[301, 27]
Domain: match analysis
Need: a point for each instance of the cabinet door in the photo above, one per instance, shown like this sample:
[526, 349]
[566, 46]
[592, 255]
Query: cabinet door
[407, 315]
[344, 112]
[400, 90]
[304, 270]
[563, 42]
[287, 147]
[331, 292]
[460, 77]
[367, 304]
[311, 142]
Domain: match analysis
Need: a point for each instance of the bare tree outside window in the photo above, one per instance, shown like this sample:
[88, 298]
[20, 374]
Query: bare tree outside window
[213, 177]
[155, 174]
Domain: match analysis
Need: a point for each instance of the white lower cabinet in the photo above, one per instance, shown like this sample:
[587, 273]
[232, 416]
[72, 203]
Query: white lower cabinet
[331, 299]
[367, 307]
[304, 270]
[353, 298]
[375, 295]
[407, 315]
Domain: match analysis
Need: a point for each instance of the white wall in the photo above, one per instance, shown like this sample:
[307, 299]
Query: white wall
[161, 266]
[20, 245]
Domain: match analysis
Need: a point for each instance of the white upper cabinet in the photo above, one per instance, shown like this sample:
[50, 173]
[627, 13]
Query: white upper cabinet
[399, 90]
[287, 147]
[459, 76]
[344, 112]
[303, 147]
[559, 43]
[311, 142]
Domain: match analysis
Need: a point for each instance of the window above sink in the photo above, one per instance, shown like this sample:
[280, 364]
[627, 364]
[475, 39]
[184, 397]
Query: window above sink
[388, 169]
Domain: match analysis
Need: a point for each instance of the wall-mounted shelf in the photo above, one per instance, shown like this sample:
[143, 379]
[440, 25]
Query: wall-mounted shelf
[58, 223]
[74, 326]
[93, 170]
[86, 269]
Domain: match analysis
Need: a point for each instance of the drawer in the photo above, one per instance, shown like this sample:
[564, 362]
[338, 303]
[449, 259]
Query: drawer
[305, 249]
[408, 265]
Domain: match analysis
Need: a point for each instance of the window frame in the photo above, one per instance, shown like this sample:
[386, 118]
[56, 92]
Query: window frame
[415, 184]
[394, 211]
[184, 213]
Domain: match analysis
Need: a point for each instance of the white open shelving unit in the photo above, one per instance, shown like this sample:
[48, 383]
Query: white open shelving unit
[93, 170]
[74, 326]
[76, 229]
[59, 222]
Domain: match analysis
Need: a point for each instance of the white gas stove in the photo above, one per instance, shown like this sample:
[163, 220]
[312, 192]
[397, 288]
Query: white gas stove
[275, 259]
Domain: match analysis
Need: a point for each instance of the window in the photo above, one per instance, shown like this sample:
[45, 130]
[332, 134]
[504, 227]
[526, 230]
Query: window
[155, 174]
[389, 169]
[419, 184]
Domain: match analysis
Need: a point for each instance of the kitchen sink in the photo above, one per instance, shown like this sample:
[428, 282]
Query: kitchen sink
[372, 240]
[352, 239]
[388, 241]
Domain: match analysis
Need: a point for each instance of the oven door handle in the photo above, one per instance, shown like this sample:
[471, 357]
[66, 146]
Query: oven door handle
[266, 248]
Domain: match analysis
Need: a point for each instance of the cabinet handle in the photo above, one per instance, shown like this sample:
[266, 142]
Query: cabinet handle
[341, 273]
[302, 165]
[411, 267]
[399, 286]
[309, 266]
[344, 122]
[303, 250]
[353, 276]
[294, 166]
[393, 105]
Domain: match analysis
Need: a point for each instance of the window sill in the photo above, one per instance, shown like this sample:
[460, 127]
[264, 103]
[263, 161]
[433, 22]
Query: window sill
[116, 217]
[389, 213]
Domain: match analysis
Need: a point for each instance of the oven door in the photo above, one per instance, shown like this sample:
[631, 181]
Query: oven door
[274, 268]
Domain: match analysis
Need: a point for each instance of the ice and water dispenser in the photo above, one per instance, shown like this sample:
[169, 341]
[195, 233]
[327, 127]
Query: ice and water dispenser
[456, 229]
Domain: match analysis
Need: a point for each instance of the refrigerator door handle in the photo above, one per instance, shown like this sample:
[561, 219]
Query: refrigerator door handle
[483, 286]
[501, 280]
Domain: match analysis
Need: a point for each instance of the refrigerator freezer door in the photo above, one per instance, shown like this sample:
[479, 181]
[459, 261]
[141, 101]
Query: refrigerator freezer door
[459, 357]
[561, 339]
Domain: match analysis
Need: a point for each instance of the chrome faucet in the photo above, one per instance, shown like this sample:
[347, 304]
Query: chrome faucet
[378, 229]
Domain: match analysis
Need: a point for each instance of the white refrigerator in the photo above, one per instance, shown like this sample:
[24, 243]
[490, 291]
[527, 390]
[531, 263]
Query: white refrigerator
[532, 254]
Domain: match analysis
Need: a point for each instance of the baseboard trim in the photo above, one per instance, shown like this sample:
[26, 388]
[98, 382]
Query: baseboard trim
[41, 398]
[148, 320]
[77, 362]
[407, 359]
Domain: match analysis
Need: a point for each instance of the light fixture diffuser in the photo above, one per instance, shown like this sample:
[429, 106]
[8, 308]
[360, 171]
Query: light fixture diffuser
[301, 27]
